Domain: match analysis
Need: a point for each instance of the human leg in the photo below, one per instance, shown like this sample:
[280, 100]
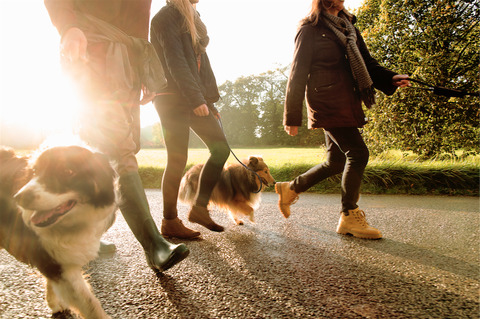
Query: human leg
[351, 144]
[161, 255]
[176, 130]
[352, 219]
[209, 130]
[334, 164]
[112, 129]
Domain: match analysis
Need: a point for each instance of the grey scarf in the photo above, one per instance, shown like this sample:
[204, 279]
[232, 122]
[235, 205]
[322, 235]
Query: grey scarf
[203, 39]
[345, 32]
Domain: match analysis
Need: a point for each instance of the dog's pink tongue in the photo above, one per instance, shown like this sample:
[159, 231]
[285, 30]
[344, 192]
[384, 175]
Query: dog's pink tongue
[42, 216]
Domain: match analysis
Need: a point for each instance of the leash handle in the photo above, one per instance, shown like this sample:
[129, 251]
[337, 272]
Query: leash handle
[419, 82]
[248, 168]
[438, 90]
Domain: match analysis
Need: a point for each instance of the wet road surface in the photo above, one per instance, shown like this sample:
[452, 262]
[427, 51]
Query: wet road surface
[427, 266]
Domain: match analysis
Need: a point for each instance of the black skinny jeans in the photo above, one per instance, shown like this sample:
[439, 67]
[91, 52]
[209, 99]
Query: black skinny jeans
[347, 153]
[177, 119]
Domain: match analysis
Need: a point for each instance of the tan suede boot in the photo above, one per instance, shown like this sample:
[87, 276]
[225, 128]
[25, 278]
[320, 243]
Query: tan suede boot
[174, 228]
[356, 224]
[200, 215]
[287, 197]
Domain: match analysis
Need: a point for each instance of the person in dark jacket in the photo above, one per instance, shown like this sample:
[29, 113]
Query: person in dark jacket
[104, 44]
[333, 68]
[180, 39]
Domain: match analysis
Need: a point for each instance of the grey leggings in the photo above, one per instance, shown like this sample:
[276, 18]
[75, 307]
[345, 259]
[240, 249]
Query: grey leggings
[177, 120]
[347, 154]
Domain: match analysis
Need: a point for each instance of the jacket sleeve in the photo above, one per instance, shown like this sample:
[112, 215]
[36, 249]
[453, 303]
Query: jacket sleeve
[62, 14]
[299, 72]
[209, 81]
[167, 30]
[381, 77]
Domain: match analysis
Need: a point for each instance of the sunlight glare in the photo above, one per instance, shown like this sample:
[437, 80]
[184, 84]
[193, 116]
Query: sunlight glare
[34, 94]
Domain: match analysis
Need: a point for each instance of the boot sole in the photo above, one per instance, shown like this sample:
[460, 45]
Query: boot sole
[342, 231]
[213, 227]
[177, 256]
[181, 237]
[173, 261]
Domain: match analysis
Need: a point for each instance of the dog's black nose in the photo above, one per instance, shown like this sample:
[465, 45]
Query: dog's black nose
[25, 198]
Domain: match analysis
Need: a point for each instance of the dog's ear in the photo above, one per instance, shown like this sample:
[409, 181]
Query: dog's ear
[252, 161]
[14, 171]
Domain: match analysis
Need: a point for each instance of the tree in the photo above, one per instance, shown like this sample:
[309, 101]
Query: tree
[252, 112]
[435, 41]
[271, 108]
[239, 111]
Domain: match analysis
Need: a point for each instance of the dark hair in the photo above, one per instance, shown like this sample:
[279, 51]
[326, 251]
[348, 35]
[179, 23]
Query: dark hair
[318, 6]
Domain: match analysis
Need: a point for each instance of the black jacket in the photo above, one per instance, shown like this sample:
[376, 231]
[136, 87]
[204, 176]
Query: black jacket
[320, 68]
[175, 50]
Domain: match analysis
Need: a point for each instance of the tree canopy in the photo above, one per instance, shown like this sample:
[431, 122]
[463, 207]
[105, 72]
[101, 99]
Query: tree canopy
[252, 112]
[436, 41]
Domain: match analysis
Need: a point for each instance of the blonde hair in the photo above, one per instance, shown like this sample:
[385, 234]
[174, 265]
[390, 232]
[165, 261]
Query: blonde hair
[188, 12]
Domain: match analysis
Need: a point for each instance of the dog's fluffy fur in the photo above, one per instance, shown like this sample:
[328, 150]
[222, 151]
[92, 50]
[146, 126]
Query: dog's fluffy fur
[52, 215]
[236, 191]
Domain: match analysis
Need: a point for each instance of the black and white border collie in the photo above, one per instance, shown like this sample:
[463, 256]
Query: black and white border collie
[53, 212]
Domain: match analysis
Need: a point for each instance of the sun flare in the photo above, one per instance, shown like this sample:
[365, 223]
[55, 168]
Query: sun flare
[35, 95]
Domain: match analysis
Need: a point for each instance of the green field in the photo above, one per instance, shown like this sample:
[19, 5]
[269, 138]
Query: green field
[393, 172]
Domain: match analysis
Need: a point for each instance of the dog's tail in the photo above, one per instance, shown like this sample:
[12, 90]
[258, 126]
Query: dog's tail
[189, 185]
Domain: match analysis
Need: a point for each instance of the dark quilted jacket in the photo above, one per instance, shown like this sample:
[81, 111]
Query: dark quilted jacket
[320, 68]
[175, 50]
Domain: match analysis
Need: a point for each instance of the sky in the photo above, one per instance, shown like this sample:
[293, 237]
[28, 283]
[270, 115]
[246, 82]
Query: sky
[247, 37]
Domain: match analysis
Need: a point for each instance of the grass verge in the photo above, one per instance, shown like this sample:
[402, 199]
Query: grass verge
[393, 172]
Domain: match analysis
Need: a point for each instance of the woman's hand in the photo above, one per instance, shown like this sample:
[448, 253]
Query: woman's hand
[401, 80]
[73, 46]
[147, 96]
[291, 130]
[201, 110]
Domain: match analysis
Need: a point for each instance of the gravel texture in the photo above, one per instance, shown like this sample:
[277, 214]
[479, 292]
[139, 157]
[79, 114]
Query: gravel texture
[427, 266]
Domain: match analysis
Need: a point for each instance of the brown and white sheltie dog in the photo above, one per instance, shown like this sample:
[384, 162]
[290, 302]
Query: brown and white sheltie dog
[52, 215]
[237, 191]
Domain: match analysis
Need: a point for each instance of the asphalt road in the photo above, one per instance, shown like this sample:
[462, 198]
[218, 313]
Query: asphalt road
[427, 266]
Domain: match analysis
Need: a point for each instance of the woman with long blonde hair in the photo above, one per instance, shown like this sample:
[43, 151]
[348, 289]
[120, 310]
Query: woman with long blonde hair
[180, 39]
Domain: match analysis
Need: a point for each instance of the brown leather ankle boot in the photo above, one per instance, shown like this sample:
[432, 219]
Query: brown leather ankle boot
[200, 215]
[175, 228]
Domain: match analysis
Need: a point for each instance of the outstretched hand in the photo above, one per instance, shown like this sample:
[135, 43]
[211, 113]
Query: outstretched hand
[291, 130]
[147, 96]
[73, 46]
[401, 80]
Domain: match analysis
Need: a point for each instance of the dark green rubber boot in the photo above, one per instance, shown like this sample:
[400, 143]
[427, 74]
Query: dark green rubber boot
[161, 255]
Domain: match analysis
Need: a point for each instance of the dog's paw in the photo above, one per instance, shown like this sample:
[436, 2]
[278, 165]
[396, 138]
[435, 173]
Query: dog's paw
[64, 314]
